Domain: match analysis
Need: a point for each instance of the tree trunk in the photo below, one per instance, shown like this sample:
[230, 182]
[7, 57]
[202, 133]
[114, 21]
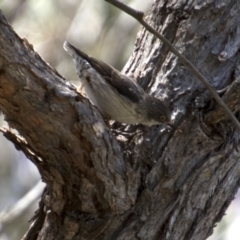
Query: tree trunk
[132, 182]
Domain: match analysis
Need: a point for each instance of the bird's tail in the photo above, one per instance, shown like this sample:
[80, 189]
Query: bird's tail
[74, 52]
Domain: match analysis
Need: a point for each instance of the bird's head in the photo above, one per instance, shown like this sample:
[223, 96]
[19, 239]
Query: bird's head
[157, 112]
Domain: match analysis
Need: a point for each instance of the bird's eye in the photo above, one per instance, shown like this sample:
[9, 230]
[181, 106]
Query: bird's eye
[162, 118]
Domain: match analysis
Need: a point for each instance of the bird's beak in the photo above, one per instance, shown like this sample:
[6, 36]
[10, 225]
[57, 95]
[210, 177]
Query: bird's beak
[174, 127]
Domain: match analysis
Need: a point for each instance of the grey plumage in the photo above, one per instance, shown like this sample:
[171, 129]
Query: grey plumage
[116, 96]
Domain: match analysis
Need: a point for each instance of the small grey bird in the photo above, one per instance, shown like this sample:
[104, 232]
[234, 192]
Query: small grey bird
[117, 96]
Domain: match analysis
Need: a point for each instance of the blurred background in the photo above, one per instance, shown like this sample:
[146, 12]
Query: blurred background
[101, 31]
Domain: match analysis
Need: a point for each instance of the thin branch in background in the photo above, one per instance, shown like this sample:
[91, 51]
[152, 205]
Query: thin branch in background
[139, 17]
[12, 212]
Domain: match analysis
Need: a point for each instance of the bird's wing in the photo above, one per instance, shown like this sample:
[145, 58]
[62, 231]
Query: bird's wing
[124, 85]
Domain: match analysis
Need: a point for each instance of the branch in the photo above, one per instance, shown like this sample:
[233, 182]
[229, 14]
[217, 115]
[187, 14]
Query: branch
[139, 17]
[73, 144]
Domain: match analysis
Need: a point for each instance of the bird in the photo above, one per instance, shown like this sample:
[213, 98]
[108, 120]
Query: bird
[117, 96]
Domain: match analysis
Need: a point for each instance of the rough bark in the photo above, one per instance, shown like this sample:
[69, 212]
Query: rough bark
[134, 182]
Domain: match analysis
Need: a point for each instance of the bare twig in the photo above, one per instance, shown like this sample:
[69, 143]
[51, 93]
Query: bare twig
[139, 17]
[232, 98]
